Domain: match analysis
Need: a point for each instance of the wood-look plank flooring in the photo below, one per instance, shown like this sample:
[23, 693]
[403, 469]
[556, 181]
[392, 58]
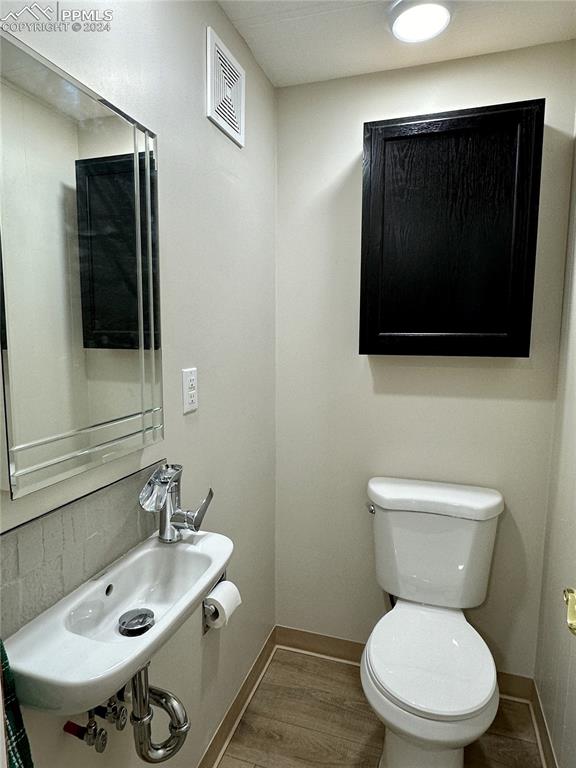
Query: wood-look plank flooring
[309, 711]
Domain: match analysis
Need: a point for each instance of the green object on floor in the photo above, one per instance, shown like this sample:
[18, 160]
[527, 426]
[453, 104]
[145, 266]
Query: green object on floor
[17, 744]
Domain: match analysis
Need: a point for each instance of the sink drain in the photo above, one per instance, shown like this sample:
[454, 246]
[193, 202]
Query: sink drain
[136, 622]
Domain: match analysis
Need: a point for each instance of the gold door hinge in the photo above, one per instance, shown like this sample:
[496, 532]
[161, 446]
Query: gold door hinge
[570, 600]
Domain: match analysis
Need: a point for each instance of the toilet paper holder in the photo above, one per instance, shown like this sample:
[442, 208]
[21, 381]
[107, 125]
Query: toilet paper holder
[208, 611]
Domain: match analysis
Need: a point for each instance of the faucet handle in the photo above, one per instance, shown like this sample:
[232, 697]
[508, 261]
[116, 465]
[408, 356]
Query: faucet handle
[194, 519]
[154, 494]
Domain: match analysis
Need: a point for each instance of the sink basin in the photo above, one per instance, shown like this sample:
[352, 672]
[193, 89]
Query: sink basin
[151, 577]
[72, 657]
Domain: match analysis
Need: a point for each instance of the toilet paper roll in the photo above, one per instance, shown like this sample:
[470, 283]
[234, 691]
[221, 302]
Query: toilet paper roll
[224, 598]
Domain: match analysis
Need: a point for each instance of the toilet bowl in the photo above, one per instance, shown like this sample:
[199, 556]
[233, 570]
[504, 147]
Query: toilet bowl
[431, 679]
[426, 672]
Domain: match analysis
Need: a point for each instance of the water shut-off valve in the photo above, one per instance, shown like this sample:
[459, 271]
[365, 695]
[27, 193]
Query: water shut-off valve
[90, 734]
[114, 712]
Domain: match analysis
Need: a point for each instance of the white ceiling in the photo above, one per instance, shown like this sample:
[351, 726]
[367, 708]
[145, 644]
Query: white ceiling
[302, 41]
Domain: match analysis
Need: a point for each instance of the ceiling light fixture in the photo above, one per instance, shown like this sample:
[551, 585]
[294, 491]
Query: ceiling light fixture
[413, 21]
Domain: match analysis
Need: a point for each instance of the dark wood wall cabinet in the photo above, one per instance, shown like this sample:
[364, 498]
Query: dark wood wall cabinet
[449, 221]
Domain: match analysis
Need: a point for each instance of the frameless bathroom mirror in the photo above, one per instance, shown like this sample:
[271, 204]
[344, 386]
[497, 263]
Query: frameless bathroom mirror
[79, 318]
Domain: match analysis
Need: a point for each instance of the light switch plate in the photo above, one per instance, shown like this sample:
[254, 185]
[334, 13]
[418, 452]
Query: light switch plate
[189, 390]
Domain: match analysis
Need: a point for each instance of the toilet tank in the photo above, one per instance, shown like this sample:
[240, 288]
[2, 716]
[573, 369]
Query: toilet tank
[434, 541]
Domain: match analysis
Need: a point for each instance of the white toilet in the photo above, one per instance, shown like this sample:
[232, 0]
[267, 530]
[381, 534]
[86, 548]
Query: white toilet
[426, 672]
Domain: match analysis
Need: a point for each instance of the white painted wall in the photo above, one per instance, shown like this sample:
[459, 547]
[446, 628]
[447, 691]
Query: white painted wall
[556, 657]
[217, 217]
[342, 417]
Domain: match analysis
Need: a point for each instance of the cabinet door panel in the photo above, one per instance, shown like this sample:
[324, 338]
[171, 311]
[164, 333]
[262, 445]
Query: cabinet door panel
[450, 210]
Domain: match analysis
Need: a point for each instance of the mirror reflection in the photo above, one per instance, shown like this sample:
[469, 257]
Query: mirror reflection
[80, 320]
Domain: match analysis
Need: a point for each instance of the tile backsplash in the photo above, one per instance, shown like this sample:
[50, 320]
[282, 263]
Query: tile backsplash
[45, 559]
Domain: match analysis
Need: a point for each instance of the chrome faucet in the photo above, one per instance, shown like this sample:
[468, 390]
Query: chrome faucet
[162, 494]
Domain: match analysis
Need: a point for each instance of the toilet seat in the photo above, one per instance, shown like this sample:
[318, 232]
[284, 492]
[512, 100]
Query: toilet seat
[430, 662]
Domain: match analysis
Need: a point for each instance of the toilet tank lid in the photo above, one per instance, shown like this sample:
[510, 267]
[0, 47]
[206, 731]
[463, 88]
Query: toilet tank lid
[466, 501]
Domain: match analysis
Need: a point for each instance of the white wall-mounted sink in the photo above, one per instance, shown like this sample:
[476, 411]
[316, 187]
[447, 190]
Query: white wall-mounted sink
[72, 657]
